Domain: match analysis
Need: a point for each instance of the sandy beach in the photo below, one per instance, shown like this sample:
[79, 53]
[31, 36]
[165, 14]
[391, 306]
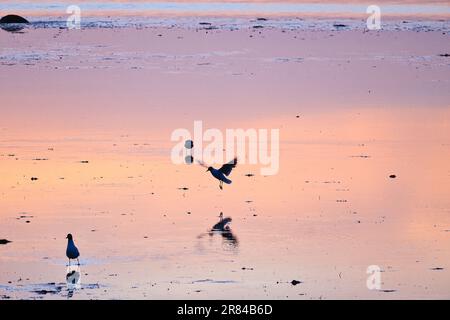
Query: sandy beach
[364, 170]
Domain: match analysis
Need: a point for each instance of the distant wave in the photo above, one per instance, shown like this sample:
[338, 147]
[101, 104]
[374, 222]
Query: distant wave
[289, 8]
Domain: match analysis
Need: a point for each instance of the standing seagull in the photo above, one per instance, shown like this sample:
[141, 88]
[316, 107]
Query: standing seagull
[72, 251]
[225, 170]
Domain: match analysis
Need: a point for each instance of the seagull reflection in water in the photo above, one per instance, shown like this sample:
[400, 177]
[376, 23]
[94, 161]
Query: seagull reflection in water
[223, 228]
[73, 279]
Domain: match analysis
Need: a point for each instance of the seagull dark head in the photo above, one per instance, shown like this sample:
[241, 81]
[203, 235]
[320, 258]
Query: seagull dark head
[69, 236]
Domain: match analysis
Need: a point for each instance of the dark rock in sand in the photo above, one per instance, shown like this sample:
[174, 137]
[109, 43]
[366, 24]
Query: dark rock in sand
[13, 23]
[444, 55]
[437, 269]
[261, 19]
[4, 241]
[33, 178]
[12, 18]
[339, 25]
[295, 282]
[392, 176]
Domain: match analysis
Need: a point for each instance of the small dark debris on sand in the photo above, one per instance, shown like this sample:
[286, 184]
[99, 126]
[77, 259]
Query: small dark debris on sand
[24, 215]
[183, 188]
[84, 161]
[245, 268]
[388, 290]
[43, 292]
[295, 282]
[204, 23]
[4, 241]
[444, 55]
[339, 25]
[392, 176]
[360, 156]
[437, 269]
[258, 27]
[34, 178]
[261, 19]
[249, 175]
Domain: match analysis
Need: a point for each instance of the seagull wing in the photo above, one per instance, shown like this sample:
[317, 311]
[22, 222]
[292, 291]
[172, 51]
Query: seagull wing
[226, 168]
[202, 164]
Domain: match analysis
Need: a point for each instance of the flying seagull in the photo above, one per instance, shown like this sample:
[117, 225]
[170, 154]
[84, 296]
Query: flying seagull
[72, 251]
[222, 173]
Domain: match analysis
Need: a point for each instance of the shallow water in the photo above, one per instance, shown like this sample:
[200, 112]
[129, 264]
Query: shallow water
[300, 7]
[327, 216]
[89, 114]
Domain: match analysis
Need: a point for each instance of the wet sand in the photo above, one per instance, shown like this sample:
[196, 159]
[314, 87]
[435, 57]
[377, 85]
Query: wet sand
[89, 114]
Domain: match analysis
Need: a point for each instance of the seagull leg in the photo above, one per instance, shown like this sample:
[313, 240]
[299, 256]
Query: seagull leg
[69, 262]
[221, 185]
[78, 261]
